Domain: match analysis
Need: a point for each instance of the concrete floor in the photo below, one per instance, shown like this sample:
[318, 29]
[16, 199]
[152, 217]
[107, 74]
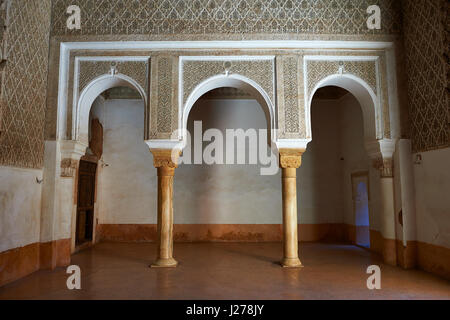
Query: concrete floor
[227, 271]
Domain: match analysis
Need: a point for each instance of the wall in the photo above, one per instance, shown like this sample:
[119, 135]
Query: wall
[427, 70]
[127, 186]
[355, 160]
[231, 202]
[426, 44]
[319, 177]
[228, 17]
[432, 182]
[25, 84]
[20, 202]
[22, 117]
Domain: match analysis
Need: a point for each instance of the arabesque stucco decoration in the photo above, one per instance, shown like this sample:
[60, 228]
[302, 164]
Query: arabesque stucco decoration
[259, 70]
[114, 17]
[89, 70]
[25, 84]
[163, 97]
[320, 69]
[426, 43]
[373, 72]
[291, 115]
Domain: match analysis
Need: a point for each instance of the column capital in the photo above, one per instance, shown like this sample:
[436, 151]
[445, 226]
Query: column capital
[69, 167]
[291, 158]
[386, 167]
[71, 153]
[165, 158]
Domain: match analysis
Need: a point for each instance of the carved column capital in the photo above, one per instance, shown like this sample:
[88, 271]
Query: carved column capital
[290, 158]
[167, 158]
[68, 167]
[386, 167]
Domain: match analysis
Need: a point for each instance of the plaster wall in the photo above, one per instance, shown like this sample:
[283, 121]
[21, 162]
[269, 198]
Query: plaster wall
[355, 160]
[127, 183]
[432, 182]
[20, 206]
[228, 194]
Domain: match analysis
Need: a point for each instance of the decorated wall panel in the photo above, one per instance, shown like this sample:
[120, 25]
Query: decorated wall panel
[178, 17]
[25, 84]
[426, 44]
[291, 115]
[89, 70]
[163, 97]
[371, 69]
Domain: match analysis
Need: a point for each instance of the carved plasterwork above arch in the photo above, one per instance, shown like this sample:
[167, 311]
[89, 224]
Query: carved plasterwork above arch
[283, 76]
[197, 69]
[91, 69]
[369, 69]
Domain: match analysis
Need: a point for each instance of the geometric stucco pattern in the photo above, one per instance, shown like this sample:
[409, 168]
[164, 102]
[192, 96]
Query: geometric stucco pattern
[25, 84]
[89, 70]
[164, 115]
[365, 70]
[113, 17]
[291, 119]
[426, 44]
[261, 71]
[318, 70]
[164, 99]
[291, 95]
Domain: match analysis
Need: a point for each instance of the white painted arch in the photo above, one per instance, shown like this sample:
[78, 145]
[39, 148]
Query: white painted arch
[91, 92]
[228, 80]
[368, 100]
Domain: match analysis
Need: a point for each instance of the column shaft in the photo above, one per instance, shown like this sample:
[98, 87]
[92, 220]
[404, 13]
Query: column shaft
[290, 238]
[165, 162]
[290, 160]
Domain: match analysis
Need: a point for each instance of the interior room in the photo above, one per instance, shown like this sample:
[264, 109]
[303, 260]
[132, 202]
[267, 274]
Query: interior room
[224, 150]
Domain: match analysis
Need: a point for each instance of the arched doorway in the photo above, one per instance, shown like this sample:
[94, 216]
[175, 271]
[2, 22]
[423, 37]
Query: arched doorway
[227, 151]
[166, 160]
[101, 105]
[344, 131]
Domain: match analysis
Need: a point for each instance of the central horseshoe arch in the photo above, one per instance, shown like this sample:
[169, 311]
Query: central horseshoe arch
[233, 81]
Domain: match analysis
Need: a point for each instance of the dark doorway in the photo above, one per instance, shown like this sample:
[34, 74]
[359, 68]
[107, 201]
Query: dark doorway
[85, 203]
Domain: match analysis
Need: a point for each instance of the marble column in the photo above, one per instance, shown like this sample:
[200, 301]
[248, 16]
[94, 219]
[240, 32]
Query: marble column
[290, 160]
[165, 161]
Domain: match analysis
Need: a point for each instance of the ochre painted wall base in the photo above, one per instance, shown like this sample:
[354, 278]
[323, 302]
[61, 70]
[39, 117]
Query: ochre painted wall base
[222, 232]
[20, 262]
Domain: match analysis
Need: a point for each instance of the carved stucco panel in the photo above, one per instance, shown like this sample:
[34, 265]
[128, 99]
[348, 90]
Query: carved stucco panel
[225, 17]
[163, 97]
[373, 72]
[291, 113]
[260, 71]
[89, 70]
[319, 69]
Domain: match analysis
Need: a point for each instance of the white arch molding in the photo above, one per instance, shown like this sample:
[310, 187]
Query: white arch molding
[88, 96]
[368, 100]
[234, 81]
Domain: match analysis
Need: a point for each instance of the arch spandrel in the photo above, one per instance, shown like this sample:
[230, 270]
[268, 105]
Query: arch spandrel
[364, 77]
[91, 92]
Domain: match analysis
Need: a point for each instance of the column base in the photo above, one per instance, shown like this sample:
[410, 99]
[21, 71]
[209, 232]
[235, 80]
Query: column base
[164, 263]
[291, 263]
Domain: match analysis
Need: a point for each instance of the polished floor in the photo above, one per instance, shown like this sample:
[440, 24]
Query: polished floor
[227, 271]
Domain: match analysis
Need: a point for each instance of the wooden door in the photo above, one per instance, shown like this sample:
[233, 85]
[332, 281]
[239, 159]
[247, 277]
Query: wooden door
[86, 200]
